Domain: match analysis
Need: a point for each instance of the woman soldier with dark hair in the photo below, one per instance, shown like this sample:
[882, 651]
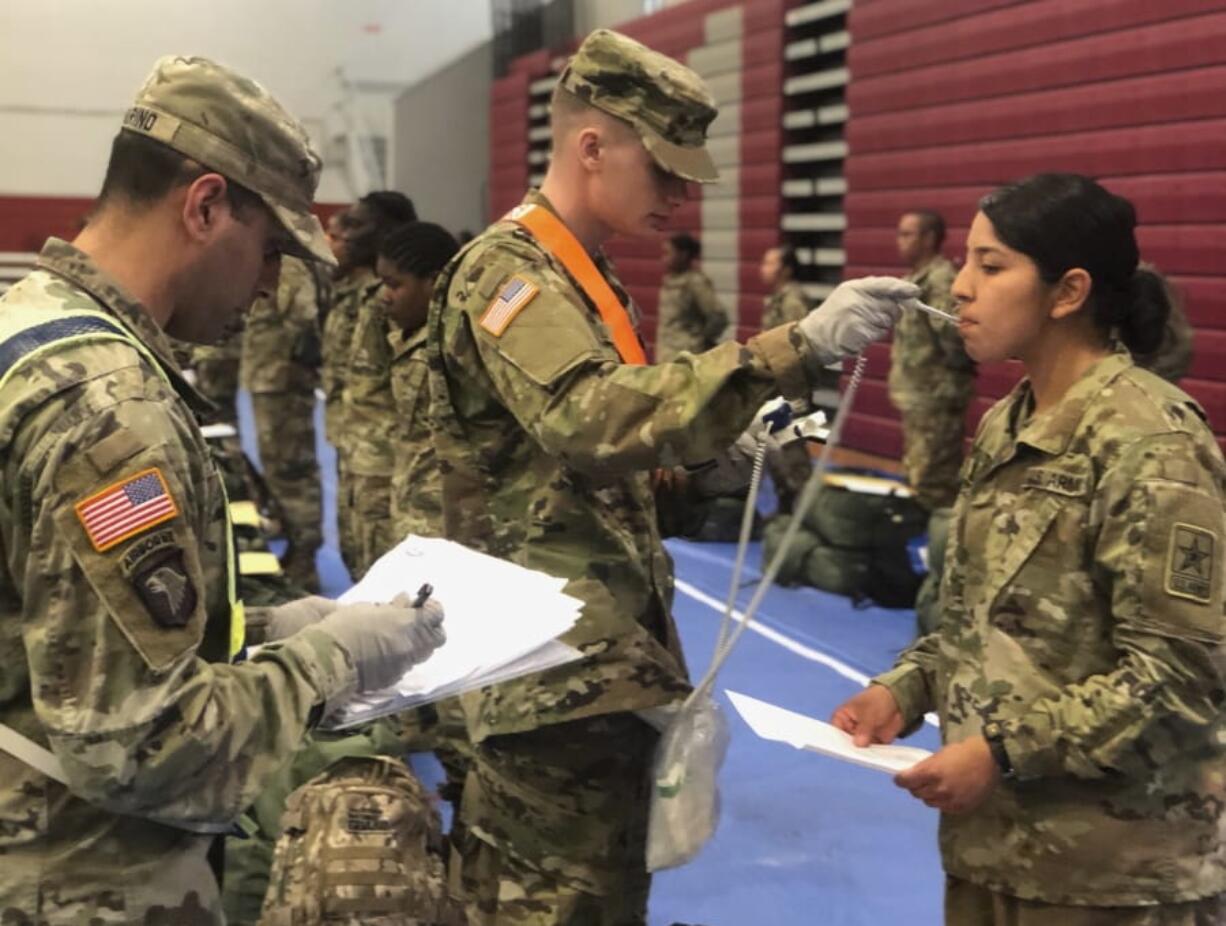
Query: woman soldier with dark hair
[1076, 668]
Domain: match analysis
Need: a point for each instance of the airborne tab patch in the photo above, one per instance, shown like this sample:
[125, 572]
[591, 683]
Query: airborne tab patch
[126, 508]
[509, 302]
[1190, 563]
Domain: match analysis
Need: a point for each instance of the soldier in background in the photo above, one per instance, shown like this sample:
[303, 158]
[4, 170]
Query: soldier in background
[280, 368]
[931, 379]
[786, 301]
[216, 371]
[689, 316]
[364, 491]
[548, 426]
[357, 390]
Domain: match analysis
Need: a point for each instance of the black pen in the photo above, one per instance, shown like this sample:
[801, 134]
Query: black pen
[423, 595]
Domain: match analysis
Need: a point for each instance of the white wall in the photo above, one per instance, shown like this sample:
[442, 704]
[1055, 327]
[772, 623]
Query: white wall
[447, 171]
[69, 68]
[598, 14]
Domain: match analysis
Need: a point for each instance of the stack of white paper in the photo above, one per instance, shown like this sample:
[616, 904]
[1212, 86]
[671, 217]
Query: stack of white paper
[502, 622]
[776, 723]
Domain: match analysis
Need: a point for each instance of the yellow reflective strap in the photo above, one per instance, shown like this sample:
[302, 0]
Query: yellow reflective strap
[238, 616]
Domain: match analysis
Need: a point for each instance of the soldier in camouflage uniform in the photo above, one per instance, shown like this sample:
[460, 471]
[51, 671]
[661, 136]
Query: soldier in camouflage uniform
[689, 316]
[410, 260]
[281, 370]
[548, 427]
[361, 395]
[931, 379]
[216, 369]
[139, 741]
[1077, 669]
[789, 465]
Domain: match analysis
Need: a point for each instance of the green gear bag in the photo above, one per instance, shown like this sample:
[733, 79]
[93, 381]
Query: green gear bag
[792, 572]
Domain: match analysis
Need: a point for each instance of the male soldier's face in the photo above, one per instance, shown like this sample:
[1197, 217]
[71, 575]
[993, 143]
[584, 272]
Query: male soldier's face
[675, 261]
[240, 260]
[405, 296]
[631, 194]
[913, 243]
[336, 240]
[1004, 305]
[771, 268]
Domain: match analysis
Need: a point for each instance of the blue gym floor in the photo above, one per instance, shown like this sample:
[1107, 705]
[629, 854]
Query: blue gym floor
[803, 840]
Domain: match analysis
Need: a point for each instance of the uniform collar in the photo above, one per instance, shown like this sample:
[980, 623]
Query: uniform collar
[919, 276]
[355, 279]
[403, 343]
[1051, 432]
[78, 268]
[535, 197]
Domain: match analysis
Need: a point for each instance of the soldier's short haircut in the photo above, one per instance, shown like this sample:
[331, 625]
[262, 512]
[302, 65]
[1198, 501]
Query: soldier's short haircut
[141, 171]
[565, 109]
[788, 258]
[931, 221]
[419, 248]
[686, 244]
[390, 207]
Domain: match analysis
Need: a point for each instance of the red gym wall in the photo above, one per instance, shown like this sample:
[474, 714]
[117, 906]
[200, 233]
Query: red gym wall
[950, 99]
[946, 100]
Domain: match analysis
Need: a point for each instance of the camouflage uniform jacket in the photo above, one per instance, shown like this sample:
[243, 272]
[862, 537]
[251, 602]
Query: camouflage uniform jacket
[690, 317]
[116, 659]
[417, 504]
[546, 443]
[928, 364]
[369, 406]
[348, 294]
[281, 336]
[1082, 608]
[787, 304]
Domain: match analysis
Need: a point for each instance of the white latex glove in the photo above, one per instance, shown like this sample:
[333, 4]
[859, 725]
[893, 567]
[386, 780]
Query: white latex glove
[855, 315]
[287, 619]
[386, 640]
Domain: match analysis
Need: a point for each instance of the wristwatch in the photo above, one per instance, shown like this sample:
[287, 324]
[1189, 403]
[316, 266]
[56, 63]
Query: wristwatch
[995, 736]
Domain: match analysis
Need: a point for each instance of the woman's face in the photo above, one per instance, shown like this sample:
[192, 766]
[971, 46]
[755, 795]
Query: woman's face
[1004, 305]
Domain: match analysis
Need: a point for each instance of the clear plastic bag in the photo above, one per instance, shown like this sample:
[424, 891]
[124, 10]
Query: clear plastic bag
[685, 788]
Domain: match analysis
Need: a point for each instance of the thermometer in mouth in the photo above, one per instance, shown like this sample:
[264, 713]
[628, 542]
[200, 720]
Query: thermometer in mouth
[937, 313]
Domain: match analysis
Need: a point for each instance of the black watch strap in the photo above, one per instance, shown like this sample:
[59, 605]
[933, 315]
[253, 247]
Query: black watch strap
[995, 736]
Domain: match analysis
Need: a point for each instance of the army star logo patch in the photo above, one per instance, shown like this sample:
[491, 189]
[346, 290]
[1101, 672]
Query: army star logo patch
[509, 302]
[126, 508]
[1190, 563]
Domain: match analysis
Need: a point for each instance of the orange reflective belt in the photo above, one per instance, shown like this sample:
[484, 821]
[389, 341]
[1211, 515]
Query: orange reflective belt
[557, 239]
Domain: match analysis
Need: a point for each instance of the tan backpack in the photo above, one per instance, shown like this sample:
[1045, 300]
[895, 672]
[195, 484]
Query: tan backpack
[360, 844]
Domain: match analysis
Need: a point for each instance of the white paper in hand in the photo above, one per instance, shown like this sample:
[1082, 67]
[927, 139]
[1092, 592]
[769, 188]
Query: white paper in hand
[776, 723]
[502, 621]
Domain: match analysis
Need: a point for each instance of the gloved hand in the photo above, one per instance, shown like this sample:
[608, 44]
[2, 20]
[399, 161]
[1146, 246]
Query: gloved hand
[287, 619]
[386, 640]
[855, 315]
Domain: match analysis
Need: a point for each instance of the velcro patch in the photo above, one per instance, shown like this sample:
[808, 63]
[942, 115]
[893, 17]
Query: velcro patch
[1190, 563]
[125, 509]
[167, 590]
[1056, 480]
[510, 301]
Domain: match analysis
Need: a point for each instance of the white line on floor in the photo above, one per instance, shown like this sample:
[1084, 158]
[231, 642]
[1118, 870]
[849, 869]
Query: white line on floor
[781, 639]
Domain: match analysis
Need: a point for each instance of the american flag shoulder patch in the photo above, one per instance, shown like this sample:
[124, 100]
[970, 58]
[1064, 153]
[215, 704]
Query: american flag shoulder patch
[510, 301]
[126, 508]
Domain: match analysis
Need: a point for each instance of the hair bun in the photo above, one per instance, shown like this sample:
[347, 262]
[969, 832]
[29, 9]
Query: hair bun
[1143, 324]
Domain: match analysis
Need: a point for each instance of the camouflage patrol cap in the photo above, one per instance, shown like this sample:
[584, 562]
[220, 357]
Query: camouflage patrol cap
[668, 104]
[232, 125]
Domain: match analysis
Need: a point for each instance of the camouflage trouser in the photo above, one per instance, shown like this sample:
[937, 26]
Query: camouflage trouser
[789, 467]
[249, 861]
[969, 904]
[364, 519]
[217, 378]
[555, 826]
[932, 451]
[285, 428]
[927, 602]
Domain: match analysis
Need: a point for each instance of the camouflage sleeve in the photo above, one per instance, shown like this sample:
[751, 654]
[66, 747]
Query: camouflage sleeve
[795, 305]
[1158, 557]
[141, 725]
[714, 316]
[554, 373]
[370, 405]
[912, 681]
